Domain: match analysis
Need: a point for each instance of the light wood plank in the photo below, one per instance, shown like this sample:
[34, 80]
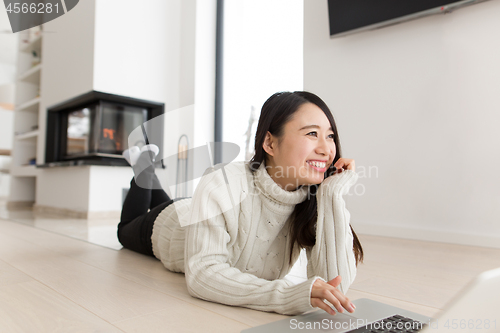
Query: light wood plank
[9, 275]
[33, 307]
[181, 317]
[107, 295]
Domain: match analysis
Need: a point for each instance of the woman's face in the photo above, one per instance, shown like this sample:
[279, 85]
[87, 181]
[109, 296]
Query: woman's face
[305, 151]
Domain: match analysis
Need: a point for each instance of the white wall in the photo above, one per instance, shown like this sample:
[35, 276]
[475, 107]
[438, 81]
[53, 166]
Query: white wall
[134, 49]
[106, 188]
[262, 55]
[66, 188]
[204, 80]
[418, 102]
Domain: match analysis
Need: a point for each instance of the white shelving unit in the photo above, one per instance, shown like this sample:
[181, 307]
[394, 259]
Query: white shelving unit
[26, 119]
[31, 105]
[31, 75]
[27, 135]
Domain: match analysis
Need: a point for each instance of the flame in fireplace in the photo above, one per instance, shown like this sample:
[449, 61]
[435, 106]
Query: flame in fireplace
[108, 133]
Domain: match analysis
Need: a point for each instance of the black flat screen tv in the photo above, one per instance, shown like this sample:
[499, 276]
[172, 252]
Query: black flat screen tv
[351, 16]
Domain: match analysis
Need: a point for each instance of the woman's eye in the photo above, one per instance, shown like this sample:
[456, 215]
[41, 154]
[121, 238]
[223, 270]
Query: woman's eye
[331, 136]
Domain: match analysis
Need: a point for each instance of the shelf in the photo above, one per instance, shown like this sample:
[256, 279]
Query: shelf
[23, 171]
[35, 44]
[31, 75]
[31, 105]
[28, 135]
[6, 106]
[27, 117]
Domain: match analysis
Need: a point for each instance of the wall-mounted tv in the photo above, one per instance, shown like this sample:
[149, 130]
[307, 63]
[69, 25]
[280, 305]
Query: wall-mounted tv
[351, 16]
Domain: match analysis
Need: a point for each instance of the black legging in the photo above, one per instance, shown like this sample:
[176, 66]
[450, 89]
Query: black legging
[136, 223]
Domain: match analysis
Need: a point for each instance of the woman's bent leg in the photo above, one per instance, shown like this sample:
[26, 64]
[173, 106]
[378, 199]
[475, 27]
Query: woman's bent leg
[136, 224]
[136, 234]
[136, 203]
[145, 190]
[158, 195]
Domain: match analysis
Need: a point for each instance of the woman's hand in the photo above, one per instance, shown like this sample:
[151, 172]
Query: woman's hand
[344, 164]
[328, 291]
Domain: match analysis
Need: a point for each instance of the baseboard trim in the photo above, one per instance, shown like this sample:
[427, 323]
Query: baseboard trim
[427, 235]
[46, 210]
[20, 205]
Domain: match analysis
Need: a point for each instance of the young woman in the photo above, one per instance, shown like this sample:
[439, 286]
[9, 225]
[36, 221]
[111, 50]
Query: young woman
[243, 229]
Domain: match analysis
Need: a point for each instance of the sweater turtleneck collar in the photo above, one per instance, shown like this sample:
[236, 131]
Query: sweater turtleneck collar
[270, 189]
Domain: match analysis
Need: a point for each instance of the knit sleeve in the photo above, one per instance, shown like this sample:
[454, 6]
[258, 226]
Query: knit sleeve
[209, 273]
[333, 254]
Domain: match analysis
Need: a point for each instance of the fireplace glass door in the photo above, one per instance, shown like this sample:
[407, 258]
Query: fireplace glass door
[117, 122]
[101, 129]
[78, 133]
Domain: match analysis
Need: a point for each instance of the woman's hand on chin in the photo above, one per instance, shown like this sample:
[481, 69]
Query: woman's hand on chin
[344, 164]
[322, 291]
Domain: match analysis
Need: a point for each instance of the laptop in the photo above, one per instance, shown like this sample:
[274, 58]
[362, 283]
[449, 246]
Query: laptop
[476, 308]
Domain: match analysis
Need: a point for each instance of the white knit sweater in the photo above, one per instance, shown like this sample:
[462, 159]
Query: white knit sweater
[231, 240]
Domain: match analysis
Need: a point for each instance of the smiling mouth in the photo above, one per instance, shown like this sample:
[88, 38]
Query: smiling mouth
[319, 166]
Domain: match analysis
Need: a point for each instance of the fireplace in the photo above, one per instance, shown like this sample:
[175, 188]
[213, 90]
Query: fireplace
[94, 128]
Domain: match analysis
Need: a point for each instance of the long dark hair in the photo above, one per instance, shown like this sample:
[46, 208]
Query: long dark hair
[276, 112]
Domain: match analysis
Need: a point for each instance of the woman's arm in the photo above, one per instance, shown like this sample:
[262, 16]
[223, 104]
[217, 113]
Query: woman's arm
[209, 272]
[333, 254]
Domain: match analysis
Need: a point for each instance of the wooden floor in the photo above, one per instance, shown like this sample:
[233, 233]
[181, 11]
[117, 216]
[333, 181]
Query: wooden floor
[54, 283]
